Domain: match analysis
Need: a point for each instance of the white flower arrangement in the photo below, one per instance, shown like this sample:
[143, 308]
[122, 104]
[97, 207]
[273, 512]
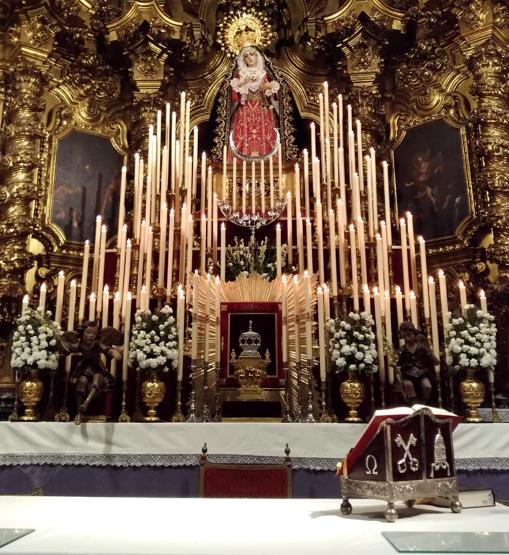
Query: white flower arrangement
[154, 340]
[472, 340]
[352, 343]
[34, 344]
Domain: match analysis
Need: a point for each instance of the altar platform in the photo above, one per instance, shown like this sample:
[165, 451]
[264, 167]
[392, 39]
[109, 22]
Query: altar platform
[162, 460]
[219, 526]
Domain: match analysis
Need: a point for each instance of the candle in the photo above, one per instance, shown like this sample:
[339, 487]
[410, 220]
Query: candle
[214, 227]
[253, 187]
[223, 252]
[100, 274]
[196, 302]
[97, 248]
[280, 170]
[127, 275]
[463, 296]
[380, 266]
[404, 260]
[72, 305]
[313, 141]
[388, 334]
[262, 184]
[91, 307]
[443, 302]
[321, 334]
[121, 204]
[362, 250]
[173, 151]
[306, 181]
[169, 275]
[359, 154]
[341, 243]
[387, 203]
[319, 234]
[84, 277]
[244, 186]
[234, 184]
[300, 243]
[162, 244]
[374, 187]
[335, 143]
[121, 262]
[413, 309]
[326, 301]
[116, 310]
[353, 264]
[24, 304]
[209, 207]
[207, 321]
[342, 183]
[434, 320]
[482, 298]
[148, 269]
[424, 273]
[225, 159]
[309, 246]
[340, 119]
[385, 253]
[379, 335]
[332, 253]
[399, 309]
[289, 230]
[127, 332]
[411, 244]
[217, 303]
[105, 305]
[60, 297]
[371, 225]
[278, 250]
[42, 297]
[284, 311]
[366, 298]
[203, 240]
[307, 301]
[181, 327]
[271, 181]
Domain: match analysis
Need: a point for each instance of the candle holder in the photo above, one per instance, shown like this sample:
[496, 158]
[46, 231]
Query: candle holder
[205, 415]
[178, 416]
[324, 417]
[124, 417]
[63, 414]
[495, 417]
[382, 393]
[191, 417]
[310, 419]
[286, 411]
[298, 415]
[217, 409]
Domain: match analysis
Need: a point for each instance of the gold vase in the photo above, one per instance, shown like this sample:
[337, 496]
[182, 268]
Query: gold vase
[352, 394]
[472, 394]
[30, 393]
[152, 394]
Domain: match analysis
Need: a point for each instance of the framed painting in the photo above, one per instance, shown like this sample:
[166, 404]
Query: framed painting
[86, 184]
[432, 178]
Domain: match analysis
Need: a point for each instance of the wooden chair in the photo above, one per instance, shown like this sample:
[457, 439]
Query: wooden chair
[245, 480]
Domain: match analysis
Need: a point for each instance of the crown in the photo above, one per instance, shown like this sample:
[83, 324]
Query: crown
[247, 28]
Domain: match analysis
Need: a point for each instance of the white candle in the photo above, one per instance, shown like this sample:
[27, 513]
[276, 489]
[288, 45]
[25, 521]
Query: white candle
[72, 305]
[424, 273]
[203, 242]
[335, 143]
[332, 253]
[388, 333]
[42, 297]
[181, 327]
[91, 307]
[309, 246]
[404, 260]
[362, 250]
[326, 301]
[162, 245]
[374, 187]
[359, 154]
[385, 252]
[434, 320]
[24, 304]
[207, 320]
[399, 309]
[278, 250]
[223, 252]
[413, 309]
[97, 249]
[443, 302]
[284, 314]
[307, 301]
[463, 296]
[244, 185]
[353, 264]
[289, 230]
[105, 305]
[253, 187]
[148, 269]
[169, 275]
[340, 119]
[217, 304]
[116, 310]
[234, 184]
[121, 263]
[380, 266]
[262, 184]
[387, 202]
[341, 243]
[369, 194]
[60, 297]
[121, 204]
[144, 298]
[321, 333]
[306, 181]
[127, 332]
[84, 277]
[484, 303]
[196, 302]
[319, 234]
[313, 141]
[127, 275]
[100, 275]
[411, 244]
[379, 334]
[366, 298]
[271, 181]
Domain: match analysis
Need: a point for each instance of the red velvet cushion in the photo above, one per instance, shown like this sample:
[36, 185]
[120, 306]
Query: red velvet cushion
[248, 481]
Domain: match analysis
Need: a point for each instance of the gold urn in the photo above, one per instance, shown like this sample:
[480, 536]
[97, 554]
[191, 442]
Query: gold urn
[352, 394]
[152, 394]
[472, 394]
[30, 393]
[250, 367]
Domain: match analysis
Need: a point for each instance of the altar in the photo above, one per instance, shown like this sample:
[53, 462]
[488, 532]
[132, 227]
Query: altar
[162, 460]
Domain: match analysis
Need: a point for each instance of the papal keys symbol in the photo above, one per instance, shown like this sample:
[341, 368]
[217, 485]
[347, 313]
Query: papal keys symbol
[407, 455]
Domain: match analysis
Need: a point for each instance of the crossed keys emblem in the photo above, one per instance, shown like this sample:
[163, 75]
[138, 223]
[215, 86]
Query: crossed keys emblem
[407, 455]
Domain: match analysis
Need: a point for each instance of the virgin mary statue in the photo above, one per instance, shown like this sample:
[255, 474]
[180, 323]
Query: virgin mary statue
[253, 129]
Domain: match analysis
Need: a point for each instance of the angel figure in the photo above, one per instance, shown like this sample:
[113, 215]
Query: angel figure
[254, 107]
[90, 373]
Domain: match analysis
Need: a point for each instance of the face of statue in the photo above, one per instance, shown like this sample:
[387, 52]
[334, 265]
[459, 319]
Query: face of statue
[409, 337]
[250, 58]
[90, 334]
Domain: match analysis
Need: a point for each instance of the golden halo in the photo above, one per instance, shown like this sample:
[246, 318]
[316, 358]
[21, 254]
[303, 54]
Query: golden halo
[247, 28]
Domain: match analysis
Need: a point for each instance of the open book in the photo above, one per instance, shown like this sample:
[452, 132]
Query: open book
[378, 417]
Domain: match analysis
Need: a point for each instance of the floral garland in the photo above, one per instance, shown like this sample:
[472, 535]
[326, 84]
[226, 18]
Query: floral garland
[352, 343]
[34, 343]
[472, 340]
[154, 340]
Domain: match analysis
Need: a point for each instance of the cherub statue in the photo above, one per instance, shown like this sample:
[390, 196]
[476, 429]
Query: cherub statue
[90, 373]
[416, 362]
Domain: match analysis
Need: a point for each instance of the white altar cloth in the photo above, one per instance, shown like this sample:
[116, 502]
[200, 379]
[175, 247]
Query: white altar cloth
[127, 526]
[318, 446]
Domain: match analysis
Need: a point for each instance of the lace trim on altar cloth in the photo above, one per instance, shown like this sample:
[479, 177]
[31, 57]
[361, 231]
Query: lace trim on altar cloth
[131, 460]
